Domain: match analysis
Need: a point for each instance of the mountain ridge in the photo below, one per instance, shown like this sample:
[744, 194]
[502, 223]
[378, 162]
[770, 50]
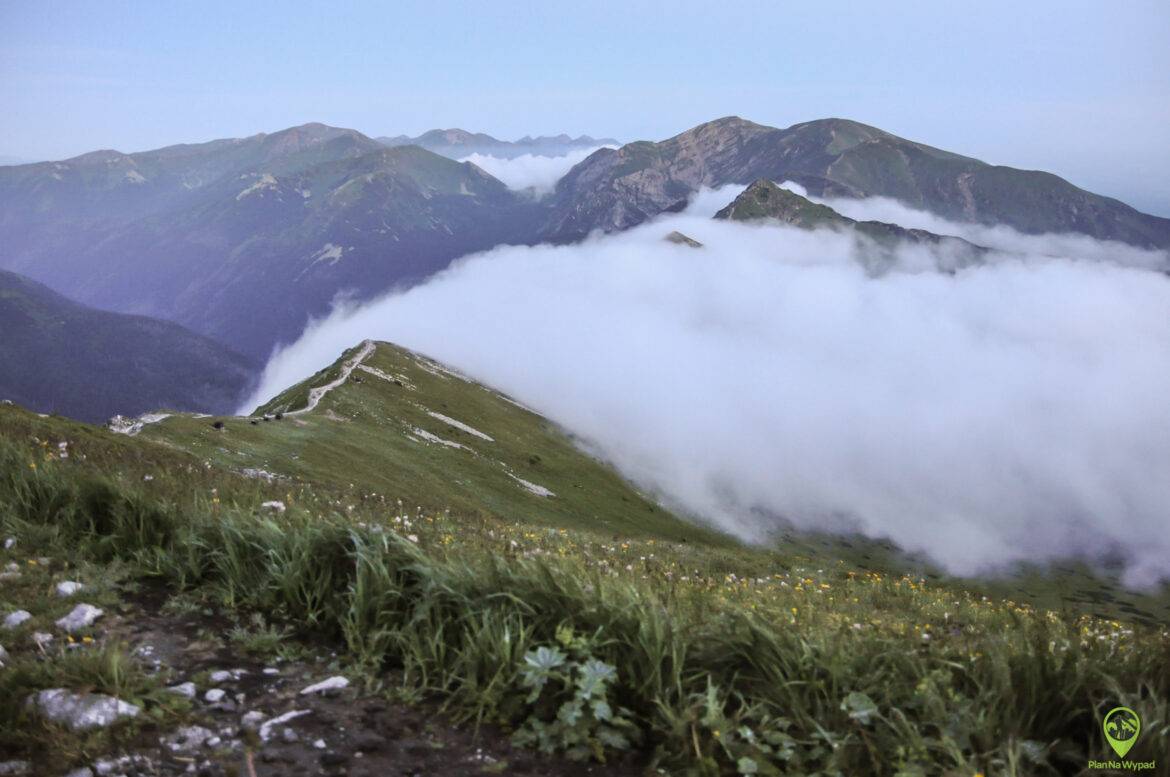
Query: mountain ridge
[59, 356]
[457, 143]
[244, 240]
[301, 214]
[832, 157]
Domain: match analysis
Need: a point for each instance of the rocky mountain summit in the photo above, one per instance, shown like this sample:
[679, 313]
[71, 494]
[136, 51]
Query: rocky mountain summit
[619, 188]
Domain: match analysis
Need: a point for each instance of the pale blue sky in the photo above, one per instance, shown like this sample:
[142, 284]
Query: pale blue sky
[1078, 88]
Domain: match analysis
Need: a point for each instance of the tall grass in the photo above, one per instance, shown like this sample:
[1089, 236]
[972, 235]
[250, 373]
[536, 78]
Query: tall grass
[716, 683]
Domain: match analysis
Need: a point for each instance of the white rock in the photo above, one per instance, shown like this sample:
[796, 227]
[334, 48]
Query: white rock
[319, 744]
[15, 619]
[215, 695]
[3, 656]
[332, 684]
[252, 720]
[186, 690]
[80, 618]
[289, 736]
[108, 766]
[275, 506]
[68, 588]
[15, 767]
[266, 728]
[227, 675]
[189, 739]
[271, 670]
[84, 771]
[78, 711]
[10, 543]
[42, 639]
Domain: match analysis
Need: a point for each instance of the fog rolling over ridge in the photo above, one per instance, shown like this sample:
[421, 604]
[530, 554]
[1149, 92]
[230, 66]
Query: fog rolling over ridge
[998, 236]
[529, 171]
[1015, 411]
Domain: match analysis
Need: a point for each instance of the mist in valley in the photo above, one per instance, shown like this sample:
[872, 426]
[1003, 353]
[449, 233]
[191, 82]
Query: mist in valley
[1014, 411]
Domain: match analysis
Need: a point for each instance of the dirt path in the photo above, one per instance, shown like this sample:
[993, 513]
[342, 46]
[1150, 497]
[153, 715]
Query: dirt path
[318, 393]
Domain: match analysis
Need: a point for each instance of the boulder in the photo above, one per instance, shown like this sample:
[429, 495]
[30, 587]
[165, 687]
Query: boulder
[80, 618]
[186, 690]
[15, 619]
[189, 739]
[80, 711]
[68, 588]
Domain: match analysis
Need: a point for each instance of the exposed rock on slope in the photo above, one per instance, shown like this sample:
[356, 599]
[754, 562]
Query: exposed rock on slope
[616, 189]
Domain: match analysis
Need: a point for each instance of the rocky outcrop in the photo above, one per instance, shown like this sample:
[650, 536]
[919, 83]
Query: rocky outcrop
[679, 238]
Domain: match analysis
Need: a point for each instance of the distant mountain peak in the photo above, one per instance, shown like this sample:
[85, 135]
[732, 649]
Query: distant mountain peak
[459, 143]
[833, 157]
[765, 200]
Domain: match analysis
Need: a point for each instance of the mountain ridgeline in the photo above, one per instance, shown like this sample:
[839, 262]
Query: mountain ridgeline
[617, 189]
[244, 240]
[457, 143]
[401, 423]
[61, 357]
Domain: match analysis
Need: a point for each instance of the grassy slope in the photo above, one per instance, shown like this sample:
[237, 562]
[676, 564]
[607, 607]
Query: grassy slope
[720, 654]
[355, 444]
[361, 440]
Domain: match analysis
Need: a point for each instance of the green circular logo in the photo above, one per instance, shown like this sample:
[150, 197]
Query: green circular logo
[1122, 726]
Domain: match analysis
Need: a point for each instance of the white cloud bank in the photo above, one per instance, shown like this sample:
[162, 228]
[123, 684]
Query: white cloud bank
[1003, 238]
[529, 171]
[1016, 411]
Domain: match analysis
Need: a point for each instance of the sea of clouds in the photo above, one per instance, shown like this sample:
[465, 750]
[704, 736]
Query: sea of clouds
[530, 171]
[1016, 411]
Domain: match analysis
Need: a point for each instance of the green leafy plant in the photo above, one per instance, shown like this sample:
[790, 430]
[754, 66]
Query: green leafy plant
[570, 698]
